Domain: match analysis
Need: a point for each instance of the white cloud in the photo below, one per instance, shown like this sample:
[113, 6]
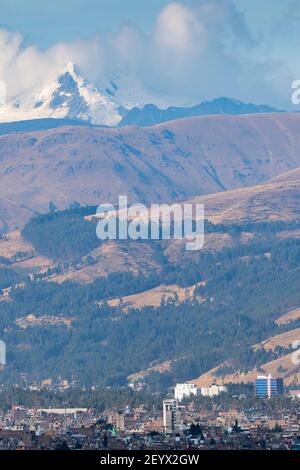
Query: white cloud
[197, 50]
[178, 30]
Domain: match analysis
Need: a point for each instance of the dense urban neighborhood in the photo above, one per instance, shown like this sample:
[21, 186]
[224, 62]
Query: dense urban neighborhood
[211, 418]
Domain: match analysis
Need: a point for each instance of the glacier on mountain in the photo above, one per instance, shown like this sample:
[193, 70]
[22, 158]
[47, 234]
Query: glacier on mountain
[69, 96]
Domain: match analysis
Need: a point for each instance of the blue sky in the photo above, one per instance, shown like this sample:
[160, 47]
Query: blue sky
[46, 22]
[191, 50]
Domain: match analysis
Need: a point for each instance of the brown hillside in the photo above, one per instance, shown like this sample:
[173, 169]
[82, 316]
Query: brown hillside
[174, 160]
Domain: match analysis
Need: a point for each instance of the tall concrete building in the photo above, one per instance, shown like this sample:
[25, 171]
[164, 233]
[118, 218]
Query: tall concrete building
[171, 415]
[2, 354]
[120, 421]
[117, 419]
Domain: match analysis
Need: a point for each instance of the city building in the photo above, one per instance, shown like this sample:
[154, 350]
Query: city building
[2, 355]
[268, 386]
[62, 411]
[171, 415]
[226, 426]
[213, 390]
[117, 419]
[120, 421]
[185, 390]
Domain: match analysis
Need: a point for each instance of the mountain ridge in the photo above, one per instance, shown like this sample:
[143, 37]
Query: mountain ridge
[185, 158]
[150, 114]
[70, 96]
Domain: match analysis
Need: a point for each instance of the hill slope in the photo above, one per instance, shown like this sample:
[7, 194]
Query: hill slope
[167, 162]
[273, 201]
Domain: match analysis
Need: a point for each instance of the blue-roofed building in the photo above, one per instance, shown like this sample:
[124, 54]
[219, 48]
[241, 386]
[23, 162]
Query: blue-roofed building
[268, 386]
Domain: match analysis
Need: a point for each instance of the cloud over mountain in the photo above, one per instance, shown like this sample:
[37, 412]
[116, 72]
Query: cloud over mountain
[196, 51]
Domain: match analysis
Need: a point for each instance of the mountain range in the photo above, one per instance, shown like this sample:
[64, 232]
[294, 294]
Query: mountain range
[70, 96]
[208, 315]
[151, 114]
[73, 146]
[190, 157]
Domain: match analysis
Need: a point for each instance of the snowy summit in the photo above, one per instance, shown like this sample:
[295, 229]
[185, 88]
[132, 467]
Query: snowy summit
[69, 96]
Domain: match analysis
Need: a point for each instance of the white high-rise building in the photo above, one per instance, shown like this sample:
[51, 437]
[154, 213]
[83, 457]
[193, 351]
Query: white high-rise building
[2, 354]
[185, 390]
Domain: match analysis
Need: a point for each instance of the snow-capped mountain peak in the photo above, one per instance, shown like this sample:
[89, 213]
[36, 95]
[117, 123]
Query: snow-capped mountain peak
[73, 97]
